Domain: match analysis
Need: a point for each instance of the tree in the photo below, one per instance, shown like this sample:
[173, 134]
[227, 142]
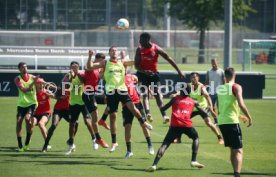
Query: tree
[200, 14]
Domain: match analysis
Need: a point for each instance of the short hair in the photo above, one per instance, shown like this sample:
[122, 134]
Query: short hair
[185, 89]
[196, 73]
[111, 48]
[145, 35]
[229, 72]
[100, 55]
[74, 62]
[20, 64]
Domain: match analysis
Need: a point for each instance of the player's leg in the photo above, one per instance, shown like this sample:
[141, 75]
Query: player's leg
[127, 123]
[170, 136]
[129, 104]
[102, 121]
[42, 125]
[74, 114]
[29, 125]
[192, 134]
[212, 126]
[214, 99]
[146, 132]
[19, 120]
[236, 156]
[112, 104]
[55, 121]
[155, 79]
[88, 122]
[91, 106]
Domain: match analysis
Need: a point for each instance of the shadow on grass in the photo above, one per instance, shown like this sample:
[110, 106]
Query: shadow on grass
[144, 170]
[8, 149]
[247, 174]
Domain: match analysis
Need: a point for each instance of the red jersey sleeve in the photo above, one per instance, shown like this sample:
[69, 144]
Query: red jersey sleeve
[17, 82]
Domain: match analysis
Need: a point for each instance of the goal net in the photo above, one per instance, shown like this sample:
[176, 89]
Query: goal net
[258, 52]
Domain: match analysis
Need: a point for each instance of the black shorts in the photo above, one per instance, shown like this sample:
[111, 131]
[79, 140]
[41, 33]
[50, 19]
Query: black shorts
[175, 132]
[62, 114]
[75, 111]
[195, 113]
[232, 135]
[128, 116]
[114, 99]
[100, 99]
[38, 117]
[214, 99]
[21, 112]
[147, 80]
[89, 100]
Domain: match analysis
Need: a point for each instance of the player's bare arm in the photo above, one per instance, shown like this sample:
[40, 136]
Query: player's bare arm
[96, 65]
[209, 101]
[29, 88]
[169, 104]
[128, 62]
[238, 92]
[170, 60]
[89, 62]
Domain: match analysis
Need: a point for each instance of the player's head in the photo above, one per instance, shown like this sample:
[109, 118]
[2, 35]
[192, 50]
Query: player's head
[122, 55]
[185, 89]
[214, 63]
[144, 39]
[74, 65]
[99, 57]
[113, 52]
[39, 83]
[22, 67]
[229, 73]
[194, 77]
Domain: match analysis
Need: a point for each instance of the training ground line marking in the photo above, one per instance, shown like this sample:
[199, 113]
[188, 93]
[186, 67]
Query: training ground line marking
[209, 154]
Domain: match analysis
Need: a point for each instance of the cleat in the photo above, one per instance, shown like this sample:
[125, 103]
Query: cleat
[102, 143]
[147, 125]
[149, 118]
[151, 150]
[26, 147]
[128, 155]
[103, 124]
[113, 147]
[20, 149]
[72, 148]
[152, 168]
[220, 141]
[196, 164]
[44, 150]
[166, 119]
[95, 144]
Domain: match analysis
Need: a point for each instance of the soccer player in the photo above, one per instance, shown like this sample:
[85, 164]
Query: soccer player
[26, 104]
[42, 113]
[130, 81]
[146, 60]
[116, 90]
[200, 94]
[182, 108]
[91, 80]
[230, 102]
[61, 110]
[214, 78]
[77, 106]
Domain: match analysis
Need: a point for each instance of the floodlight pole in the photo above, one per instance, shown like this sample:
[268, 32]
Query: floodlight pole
[228, 33]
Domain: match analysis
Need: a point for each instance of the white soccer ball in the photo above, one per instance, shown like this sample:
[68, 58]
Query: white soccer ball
[122, 23]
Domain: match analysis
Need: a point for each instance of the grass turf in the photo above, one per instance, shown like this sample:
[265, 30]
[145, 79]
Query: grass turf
[259, 149]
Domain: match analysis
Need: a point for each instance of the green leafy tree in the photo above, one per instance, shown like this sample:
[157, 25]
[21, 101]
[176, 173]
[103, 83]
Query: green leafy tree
[200, 14]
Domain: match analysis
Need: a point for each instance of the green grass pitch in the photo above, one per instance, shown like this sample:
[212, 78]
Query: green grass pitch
[259, 149]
